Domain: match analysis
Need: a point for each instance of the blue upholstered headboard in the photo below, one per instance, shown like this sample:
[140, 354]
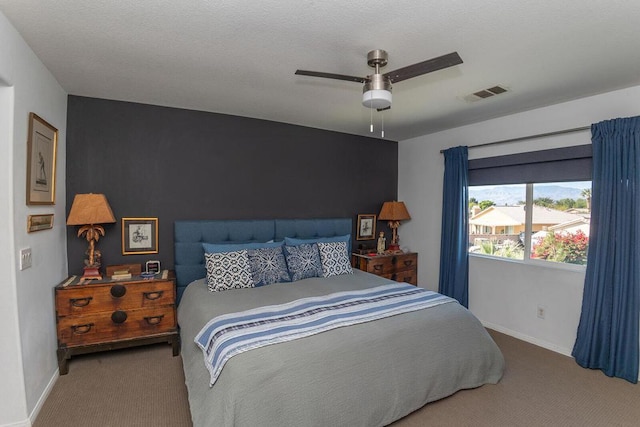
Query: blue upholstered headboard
[189, 236]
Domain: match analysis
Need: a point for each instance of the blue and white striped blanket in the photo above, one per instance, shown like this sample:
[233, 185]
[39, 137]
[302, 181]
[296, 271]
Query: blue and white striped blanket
[230, 334]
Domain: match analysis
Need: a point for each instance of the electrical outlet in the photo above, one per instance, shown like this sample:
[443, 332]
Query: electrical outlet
[542, 310]
[25, 258]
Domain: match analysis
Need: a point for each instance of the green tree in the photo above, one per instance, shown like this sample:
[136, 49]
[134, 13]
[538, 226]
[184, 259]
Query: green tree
[544, 201]
[485, 204]
[586, 193]
[564, 204]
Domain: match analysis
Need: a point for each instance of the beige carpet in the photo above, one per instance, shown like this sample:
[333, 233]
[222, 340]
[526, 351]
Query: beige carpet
[145, 387]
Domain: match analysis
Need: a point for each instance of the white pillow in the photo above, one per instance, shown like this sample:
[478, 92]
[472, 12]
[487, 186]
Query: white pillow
[334, 258]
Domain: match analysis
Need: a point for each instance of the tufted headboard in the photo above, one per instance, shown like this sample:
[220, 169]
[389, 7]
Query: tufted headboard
[189, 236]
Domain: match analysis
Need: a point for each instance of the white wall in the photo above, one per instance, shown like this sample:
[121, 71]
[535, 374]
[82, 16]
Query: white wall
[28, 365]
[503, 294]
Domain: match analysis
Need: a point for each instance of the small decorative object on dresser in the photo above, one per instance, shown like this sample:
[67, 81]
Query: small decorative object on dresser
[399, 267]
[108, 314]
[366, 227]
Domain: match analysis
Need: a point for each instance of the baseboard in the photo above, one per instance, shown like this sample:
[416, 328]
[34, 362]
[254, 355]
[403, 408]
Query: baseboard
[529, 339]
[25, 423]
[43, 397]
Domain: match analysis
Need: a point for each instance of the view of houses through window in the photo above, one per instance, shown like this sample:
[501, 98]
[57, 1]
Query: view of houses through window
[545, 221]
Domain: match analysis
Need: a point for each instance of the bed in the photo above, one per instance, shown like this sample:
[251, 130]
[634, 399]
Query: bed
[368, 374]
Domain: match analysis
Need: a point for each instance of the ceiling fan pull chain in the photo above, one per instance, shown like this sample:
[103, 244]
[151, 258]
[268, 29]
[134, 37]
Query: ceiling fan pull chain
[382, 116]
[371, 113]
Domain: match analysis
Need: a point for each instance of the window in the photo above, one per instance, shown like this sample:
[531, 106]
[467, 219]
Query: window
[556, 230]
[544, 220]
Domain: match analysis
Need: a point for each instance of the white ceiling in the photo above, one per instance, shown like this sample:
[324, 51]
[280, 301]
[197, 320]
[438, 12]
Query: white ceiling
[239, 57]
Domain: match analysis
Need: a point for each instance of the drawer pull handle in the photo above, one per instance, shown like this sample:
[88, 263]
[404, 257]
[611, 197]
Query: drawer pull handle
[153, 295]
[81, 329]
[377, 267]
[118, 291]
[80, 302]
[119, 317]
[154, 320]
[408, 262]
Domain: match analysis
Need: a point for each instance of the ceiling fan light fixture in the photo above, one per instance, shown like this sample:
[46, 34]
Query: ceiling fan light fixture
[376, 92]
[376, 98]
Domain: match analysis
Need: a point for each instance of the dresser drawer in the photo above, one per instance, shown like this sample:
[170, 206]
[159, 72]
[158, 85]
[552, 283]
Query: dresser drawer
[406, 262]
[392, 264]
[407, 276]
[114, 296]
[115, 325]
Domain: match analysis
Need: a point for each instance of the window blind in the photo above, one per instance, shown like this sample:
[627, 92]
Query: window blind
[554, 165]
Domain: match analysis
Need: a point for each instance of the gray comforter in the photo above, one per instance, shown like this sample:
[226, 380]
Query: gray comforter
[363, 375]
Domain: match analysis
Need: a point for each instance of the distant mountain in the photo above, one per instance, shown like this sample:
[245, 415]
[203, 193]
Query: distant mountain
[510, 196]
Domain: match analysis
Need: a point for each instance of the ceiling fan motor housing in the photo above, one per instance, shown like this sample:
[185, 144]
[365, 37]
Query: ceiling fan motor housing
[376, 92]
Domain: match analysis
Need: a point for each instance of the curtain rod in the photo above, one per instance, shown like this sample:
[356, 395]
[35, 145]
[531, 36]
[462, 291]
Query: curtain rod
[524, 138]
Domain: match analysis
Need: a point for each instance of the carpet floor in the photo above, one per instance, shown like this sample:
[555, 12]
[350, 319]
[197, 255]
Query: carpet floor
[144, 386]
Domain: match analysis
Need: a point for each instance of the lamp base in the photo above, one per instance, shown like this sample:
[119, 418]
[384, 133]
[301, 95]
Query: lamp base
[393, 247]
[92, 273]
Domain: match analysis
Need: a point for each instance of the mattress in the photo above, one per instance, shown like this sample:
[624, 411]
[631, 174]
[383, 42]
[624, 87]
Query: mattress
[369, 374]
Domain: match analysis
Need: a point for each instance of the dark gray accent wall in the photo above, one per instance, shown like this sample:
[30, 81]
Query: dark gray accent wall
[177, 164]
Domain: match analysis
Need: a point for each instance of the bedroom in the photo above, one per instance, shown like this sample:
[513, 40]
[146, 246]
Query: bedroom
[415, 178]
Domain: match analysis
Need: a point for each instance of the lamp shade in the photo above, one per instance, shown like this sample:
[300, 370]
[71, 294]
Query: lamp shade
[90, 209]
[394, 211]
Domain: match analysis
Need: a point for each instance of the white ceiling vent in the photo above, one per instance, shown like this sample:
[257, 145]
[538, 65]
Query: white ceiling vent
[485, 93]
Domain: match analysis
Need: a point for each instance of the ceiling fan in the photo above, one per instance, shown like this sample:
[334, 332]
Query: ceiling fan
[376, 92]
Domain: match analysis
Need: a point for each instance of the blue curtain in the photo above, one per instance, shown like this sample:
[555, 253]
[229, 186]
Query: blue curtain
[607, 337]
[454, 242]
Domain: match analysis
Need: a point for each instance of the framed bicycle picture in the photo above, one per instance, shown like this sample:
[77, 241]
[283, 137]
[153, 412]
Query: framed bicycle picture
[139, 236]
[366, 227]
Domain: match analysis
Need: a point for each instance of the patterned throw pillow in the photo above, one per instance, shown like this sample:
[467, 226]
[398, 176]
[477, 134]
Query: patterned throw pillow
[268, 266]
[303, 261]
[335, 259]
[228, 270]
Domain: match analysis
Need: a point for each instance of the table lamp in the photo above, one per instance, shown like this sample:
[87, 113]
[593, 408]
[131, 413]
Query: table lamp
[89, 210]
[394, 212]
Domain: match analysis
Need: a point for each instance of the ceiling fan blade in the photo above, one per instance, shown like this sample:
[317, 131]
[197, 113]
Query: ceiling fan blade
[424, 67]
[331, 76]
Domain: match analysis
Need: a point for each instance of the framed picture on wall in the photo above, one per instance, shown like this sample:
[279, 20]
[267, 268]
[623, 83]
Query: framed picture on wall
[42, 144]
[39, 222]
[139, 236]
[366, 227]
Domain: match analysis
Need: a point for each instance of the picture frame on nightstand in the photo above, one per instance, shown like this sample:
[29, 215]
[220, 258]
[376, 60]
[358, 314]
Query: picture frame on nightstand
[366, 227]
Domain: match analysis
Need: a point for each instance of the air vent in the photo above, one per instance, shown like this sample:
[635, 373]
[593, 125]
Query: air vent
[485, 93]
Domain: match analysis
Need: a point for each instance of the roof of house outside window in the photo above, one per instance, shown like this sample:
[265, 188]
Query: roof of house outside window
[495, 216]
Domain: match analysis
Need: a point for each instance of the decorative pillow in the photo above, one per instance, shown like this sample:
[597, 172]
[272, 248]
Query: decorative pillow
[228, 270]
[291, 241]
[268, 266]
[334, 258]
[303, 261]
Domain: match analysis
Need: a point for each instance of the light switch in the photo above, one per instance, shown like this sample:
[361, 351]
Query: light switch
[25, 258]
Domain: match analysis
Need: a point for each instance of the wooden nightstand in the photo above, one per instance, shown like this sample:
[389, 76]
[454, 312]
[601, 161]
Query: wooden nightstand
[399, 267]
[112, 314]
